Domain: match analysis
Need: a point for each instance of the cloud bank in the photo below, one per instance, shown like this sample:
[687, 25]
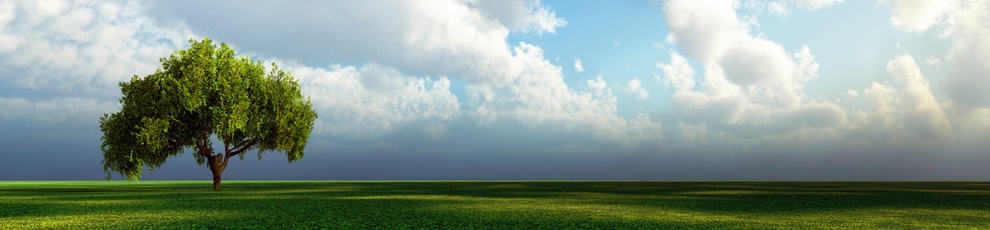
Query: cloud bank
[447, 76]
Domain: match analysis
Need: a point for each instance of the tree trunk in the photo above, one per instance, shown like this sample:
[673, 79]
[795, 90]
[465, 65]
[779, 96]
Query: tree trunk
[216, 169]
[216, 179]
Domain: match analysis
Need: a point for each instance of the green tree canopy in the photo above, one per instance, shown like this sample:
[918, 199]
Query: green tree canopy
[198, 93]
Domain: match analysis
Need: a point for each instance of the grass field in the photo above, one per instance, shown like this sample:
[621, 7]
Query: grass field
[502, 205]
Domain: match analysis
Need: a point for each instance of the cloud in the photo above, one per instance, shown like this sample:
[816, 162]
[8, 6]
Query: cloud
[404, 82]
[969, 124]
[970, 54]
[80, 47]
[372, 100]
[965, 23]
[598, 86]
[73, 54]
[56, 110]
[520, 15]
[782, 7]
[756, 60]
[6, 13]
[539, 98]
[635, 87]
[376, 77]
[852, 93]
[678, 74]
[924, 115]
[815, 4]
[906, 114]
[751, 87]
[577, 65]
[702, 29]
[915, 15]
[458, 39]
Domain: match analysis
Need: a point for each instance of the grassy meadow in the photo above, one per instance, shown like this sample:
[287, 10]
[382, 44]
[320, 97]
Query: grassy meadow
[495, 204]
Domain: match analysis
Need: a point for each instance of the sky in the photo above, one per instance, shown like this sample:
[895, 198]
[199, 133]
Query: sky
[534, 90]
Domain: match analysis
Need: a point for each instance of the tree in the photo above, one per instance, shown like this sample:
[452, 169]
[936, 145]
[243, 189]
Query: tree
[199, 93]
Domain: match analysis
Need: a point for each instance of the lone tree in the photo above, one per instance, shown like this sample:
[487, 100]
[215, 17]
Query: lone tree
[201, 92]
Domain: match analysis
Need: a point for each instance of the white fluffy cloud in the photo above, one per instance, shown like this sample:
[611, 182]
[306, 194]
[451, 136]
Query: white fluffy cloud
[751, 86]
[924, 115]
[678, 74]
[539, 98]
[374, 99]
[598, 86]
[458, 39]
[635, 87]
[755, 60]
[702, 29]
[969, 57]
[82, 49]
[79, 46]
[964, 22]
[520, 15]
[62, 60]
[917, 15]
[963, 115]
[907, 113]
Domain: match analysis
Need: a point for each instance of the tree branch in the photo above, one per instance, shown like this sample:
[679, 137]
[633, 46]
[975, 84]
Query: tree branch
[203, 150]
[244, 147]
[238, 145]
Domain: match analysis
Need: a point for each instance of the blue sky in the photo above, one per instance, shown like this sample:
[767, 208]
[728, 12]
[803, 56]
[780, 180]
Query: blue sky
[477, 89]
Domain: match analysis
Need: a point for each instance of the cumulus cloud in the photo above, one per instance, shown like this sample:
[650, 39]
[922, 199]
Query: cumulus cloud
[678, 73]
[80, 47]
[756, 60]
[539, 98]
[458, 39]
[965, 23]
[915, 15]
[598, 86]
[702, 29]
[577, 65]
[906, 113]
[403, 84]
[64, 59]
[372, 100]
[969, 58]
[748, 87]
[924, 115]
[751, 86]
[466, 40]
[520, 15]
[81, 50]
[635, 87]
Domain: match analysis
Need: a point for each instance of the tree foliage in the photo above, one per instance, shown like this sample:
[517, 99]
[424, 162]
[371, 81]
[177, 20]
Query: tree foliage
[198, 93]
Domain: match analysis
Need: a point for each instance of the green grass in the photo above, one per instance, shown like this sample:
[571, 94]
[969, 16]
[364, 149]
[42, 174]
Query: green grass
[502, 205]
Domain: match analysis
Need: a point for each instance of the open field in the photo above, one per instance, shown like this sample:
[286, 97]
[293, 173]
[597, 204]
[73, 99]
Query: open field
[503, 205]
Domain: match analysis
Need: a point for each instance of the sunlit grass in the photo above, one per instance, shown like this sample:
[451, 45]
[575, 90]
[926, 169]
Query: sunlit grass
[503, 204]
